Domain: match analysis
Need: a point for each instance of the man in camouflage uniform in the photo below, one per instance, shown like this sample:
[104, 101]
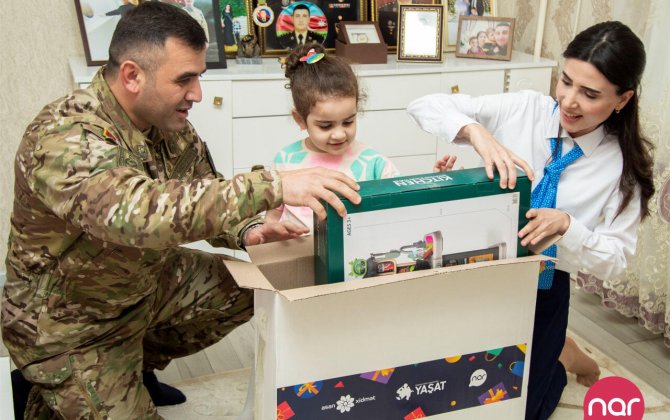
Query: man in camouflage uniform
[109, 181]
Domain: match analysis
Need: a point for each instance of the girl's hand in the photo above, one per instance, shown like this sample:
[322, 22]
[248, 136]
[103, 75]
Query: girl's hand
[445, 164]
[495, 155]
[543, 223]
[271, 232]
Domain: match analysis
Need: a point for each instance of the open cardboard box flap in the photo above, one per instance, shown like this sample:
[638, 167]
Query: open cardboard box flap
[289, 265]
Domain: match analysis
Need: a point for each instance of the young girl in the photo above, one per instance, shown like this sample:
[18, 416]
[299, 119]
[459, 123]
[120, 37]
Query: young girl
[326, 97]
[589, 138]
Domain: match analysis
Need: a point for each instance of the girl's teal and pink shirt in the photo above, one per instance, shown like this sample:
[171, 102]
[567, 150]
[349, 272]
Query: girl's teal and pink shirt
[360, 162]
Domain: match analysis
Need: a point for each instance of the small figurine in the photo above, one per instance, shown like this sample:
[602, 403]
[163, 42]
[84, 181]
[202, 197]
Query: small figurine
[248, 47]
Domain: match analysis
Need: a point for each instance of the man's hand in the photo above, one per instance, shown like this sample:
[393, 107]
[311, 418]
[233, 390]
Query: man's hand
[271, 232]
[305, 187]
[543, 223]
[495, 155]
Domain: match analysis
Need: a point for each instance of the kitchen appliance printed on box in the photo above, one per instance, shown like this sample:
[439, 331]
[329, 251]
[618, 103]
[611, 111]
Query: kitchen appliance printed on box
[459, 232]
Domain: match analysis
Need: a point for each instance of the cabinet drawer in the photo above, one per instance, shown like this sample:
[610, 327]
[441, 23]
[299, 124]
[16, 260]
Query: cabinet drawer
[256, 141]
[254, 98]
[475, 83]
[393, 133]
[395, 92]
[535, 79]
[211, 119]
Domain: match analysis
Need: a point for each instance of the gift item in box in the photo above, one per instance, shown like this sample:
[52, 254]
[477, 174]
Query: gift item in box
[420, 222]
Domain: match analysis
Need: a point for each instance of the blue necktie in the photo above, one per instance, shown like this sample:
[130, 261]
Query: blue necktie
[544, 196]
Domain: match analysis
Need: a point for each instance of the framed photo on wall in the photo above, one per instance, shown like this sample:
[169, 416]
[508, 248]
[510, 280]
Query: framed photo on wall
[385, 12]
[458, 8]
[235, 23]
[485, 37]
[97, 21]
[300, 22]
[208, 15]
[420, 32]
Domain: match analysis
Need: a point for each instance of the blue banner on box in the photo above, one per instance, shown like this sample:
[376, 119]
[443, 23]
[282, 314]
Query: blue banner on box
[411, 391]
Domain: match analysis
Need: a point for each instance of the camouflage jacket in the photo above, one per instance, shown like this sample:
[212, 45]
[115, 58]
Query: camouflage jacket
[97, 207]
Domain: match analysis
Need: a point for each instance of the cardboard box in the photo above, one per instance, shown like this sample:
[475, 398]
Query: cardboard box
[451, 342]
[422, 221]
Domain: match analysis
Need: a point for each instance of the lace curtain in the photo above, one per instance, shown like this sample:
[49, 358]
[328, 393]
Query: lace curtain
[642, 291]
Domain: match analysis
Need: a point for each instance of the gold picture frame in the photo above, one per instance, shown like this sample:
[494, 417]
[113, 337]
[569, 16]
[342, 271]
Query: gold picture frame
[420, 33]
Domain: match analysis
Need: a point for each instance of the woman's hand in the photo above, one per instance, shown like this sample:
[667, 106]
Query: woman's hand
[495, 155]
[543, 223]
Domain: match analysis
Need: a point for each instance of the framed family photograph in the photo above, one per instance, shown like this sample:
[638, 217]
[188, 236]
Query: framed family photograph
[385, 13]
[235, 23]
[304, 22]
[458, 8]
[97, 21]
[485, 37]
[420, 33]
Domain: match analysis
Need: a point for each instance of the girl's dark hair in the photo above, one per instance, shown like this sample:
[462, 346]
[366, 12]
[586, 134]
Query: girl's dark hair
[145, 28]
[309, 83]
[617, 53]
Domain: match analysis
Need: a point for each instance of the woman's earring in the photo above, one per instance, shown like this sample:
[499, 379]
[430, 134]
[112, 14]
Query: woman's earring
[617, 110]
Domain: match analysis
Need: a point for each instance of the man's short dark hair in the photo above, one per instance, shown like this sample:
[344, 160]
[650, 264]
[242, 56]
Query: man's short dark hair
[302, 7]
[144, 29]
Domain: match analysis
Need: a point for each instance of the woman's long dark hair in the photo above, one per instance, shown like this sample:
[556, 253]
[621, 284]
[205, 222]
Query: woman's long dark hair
[613, 49]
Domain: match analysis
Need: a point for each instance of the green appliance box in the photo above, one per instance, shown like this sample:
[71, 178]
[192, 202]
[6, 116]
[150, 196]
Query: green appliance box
[421, 222]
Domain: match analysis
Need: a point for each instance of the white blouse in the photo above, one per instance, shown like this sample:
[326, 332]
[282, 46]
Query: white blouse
[596, 242]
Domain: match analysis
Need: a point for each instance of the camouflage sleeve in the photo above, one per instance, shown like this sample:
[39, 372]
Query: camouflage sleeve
[78, 176]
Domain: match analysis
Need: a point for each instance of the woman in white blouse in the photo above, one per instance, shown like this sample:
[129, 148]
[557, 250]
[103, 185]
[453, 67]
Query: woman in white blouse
[604, 184]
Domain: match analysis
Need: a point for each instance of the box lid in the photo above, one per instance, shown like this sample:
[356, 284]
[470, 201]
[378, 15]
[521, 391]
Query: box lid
[430, 181]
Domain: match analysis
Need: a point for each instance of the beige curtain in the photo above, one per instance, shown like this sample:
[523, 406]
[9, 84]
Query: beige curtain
[643, 291]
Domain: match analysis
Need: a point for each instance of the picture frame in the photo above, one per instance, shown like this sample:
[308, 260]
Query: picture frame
[385, 13]
[473, 40]
[323, 15]
[235, 23]
[97, 21]
[360, 33]
[207, 13]
[420, 33]
[458, 8]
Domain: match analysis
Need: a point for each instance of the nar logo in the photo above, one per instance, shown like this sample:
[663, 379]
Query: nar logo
[613, 397]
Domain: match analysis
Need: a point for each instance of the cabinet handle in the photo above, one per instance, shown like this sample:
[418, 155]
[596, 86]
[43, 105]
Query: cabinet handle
[218, 101]
[455, 89]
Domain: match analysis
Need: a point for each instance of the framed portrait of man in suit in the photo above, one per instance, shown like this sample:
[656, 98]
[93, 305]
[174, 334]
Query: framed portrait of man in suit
[307, 22]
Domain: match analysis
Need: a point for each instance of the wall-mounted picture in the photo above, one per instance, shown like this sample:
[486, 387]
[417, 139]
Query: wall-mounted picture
[420, 32]
[458, 8]
[385, 12]
[97, 21]
[235, 23]
[208, 14]
[300, 22]
[485, 37]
